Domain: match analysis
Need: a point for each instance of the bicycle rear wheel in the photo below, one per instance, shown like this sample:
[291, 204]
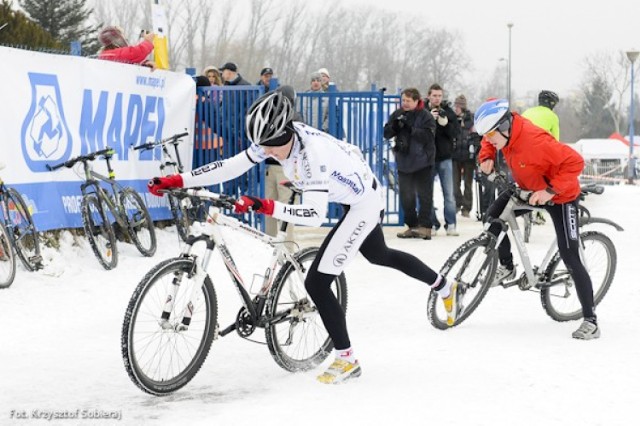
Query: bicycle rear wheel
[99, 231]
[559, 298]
[473, 265]
[141, 229]
[23, 230]
[7, 260]
[160, 355]
[295, 333]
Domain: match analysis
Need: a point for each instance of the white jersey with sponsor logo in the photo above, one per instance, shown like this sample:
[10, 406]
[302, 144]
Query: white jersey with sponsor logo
[324, 168]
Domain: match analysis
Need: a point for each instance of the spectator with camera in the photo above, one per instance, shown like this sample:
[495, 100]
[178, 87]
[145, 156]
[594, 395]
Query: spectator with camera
[116, 47]
[465, 150]
[447, 130]
[413, 130]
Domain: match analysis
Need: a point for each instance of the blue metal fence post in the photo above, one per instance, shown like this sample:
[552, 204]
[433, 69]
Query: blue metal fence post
[631, 164]
[76, 48]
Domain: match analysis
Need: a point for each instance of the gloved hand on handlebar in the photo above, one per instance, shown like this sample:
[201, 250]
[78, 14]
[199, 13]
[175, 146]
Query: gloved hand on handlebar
[168, 182]
[247, 203]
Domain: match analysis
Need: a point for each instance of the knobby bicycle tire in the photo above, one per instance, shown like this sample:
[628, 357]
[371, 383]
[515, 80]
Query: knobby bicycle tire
[22, 230]
[180, 217]
[141, 228]
[473, 265]
[292, 315]
[7, 259]
[162, 360]
[558, 301]
[99, 231]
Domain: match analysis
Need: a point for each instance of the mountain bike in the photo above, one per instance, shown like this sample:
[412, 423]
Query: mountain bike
[475, 262]
[7, 260]
[20, 228]
[171, 320]
[103, 210]
[186, 210]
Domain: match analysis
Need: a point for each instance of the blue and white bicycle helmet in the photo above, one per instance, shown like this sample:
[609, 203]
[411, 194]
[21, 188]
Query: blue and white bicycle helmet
[490, 115]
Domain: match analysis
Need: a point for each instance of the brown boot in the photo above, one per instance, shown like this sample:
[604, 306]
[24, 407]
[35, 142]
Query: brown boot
[422, 232]
[409, 233]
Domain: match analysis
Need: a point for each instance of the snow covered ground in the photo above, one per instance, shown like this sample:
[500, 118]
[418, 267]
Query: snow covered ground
[509, 364]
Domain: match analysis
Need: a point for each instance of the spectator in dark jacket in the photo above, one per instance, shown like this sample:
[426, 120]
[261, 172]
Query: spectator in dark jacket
[465, 150]
[447, 130]
[234, 106]
[265, 79]
[413, 129]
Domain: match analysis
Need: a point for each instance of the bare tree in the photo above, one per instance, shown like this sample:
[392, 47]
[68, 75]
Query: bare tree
[611, 68]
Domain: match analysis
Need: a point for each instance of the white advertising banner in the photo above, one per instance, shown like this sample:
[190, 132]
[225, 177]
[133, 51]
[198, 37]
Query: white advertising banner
[56, 107]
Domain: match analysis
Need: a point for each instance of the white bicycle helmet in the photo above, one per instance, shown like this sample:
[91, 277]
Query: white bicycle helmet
[490, 115]
[269, 120]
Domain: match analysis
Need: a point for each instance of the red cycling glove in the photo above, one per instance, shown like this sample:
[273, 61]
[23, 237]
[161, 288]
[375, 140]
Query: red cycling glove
[247, 203]
[168, 182]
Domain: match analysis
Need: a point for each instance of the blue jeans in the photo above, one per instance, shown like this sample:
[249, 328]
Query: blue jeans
[444, 170]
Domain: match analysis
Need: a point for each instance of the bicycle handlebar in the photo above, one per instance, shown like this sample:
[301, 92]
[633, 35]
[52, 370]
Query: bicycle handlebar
[107, 152]
[592, 188]
[171, 139]
[500, 179]
[218, 200]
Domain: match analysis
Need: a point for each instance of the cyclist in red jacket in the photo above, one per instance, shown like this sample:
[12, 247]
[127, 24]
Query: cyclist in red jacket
[550, 169]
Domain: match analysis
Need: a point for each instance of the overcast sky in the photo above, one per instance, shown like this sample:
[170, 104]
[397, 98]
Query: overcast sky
[549, 38]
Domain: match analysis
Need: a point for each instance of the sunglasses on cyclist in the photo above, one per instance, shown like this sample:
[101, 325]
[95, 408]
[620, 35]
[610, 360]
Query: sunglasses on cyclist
[501, 128]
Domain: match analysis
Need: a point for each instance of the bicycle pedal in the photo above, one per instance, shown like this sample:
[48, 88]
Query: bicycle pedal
[507, 284]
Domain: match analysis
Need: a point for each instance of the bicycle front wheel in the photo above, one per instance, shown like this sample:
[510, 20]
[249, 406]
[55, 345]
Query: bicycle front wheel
[295, 333]
[22, 229]
[473, 265]
[160, 353]
[99, 231]
[559, 297]
[141, 229]
[7, 260]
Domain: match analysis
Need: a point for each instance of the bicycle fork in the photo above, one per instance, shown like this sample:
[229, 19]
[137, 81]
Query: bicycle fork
[198, 272]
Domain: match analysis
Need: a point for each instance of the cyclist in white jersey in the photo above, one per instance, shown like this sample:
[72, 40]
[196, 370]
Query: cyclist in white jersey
[326, 170]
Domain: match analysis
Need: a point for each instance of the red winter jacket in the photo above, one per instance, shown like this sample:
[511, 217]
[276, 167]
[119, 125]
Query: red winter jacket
[129, 54]
[537, 161]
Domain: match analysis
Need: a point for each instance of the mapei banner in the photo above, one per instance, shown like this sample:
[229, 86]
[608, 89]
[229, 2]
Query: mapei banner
[56, 107]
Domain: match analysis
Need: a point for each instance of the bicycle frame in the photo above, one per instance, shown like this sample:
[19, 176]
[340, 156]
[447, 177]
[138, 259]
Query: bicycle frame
[508, 217]
[533, 274]
[92, 180]
[209, 232]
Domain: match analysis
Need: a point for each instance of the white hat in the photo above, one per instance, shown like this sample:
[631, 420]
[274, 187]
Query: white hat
[325, 72]
[210, 68]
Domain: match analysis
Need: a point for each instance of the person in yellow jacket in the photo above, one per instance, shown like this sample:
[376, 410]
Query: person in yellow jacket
[544, 117]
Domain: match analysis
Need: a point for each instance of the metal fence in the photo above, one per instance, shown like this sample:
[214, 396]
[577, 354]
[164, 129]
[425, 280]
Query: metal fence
[357, 117]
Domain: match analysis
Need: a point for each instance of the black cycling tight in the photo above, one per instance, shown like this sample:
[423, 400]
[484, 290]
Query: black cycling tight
[375, 250]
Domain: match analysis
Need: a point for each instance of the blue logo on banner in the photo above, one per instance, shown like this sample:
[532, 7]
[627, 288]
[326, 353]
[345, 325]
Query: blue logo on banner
[45, 134]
